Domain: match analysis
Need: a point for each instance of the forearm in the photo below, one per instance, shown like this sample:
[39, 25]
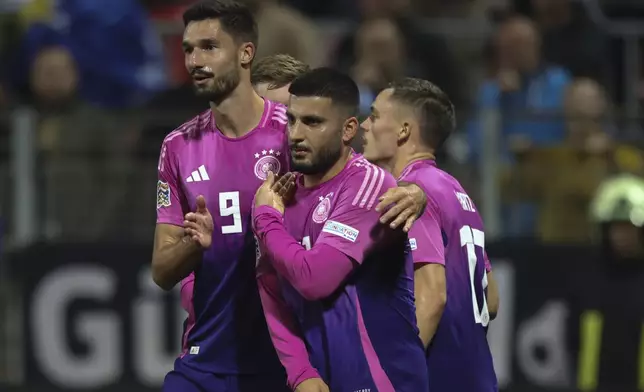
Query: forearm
[430, 292]
[492, 295]
[284, 333]
[174, 261]
[314, 273]
[428, 316]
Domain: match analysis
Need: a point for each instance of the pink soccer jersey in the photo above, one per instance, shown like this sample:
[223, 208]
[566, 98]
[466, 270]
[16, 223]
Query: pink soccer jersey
[450, 232]
[226, 331]
[338, 289]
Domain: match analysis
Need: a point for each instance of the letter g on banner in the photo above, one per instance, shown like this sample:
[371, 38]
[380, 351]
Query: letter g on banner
[100, 331]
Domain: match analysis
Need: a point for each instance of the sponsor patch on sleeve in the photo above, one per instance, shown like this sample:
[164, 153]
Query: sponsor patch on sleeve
[412, 244]
[163, 194]
[341, 230]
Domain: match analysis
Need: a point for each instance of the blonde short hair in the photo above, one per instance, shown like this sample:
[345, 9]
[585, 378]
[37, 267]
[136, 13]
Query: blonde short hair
[277, 70]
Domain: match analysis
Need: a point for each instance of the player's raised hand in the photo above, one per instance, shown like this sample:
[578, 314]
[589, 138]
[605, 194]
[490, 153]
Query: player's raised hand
[285, 187]
[312, 385]
[198, 225]
[266, 196]
[407, 204]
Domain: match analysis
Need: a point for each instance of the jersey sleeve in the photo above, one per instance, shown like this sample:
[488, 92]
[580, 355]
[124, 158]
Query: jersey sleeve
[353, 226]
[426, 237]
[284, 332]
[169, 196]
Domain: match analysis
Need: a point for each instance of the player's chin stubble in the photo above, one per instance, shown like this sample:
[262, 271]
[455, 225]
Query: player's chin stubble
[221, 87]
[320, 163]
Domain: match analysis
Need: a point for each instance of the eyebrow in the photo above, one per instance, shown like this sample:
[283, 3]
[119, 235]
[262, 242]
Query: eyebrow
[201, 41]
[305, 117]
[313, 117]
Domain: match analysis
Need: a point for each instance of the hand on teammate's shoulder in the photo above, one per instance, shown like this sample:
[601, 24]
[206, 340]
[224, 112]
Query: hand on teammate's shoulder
[402, 205]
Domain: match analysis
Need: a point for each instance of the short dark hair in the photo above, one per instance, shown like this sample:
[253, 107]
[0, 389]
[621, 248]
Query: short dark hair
[236, 19]
[277, 70]
[435, 110]
[328, 83]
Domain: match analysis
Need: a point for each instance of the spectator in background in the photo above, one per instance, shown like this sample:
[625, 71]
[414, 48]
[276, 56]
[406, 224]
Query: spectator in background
[521, 87]
[119, 57]
[563, 179]
[380, 58]
[87, 68]
[604, 291]
[572, 41]
[618, 208]
[86, 151]
[528, 94]
[282, 29]
[420, 54]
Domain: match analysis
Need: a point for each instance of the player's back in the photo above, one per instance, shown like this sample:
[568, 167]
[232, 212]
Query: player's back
[229, 335]
[364, 336]
[458, 357]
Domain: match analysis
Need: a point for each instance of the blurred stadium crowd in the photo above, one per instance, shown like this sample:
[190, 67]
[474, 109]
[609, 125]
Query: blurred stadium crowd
[548, 94]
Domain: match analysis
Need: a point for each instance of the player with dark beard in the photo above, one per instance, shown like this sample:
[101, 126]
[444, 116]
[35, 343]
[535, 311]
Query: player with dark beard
[336, 284]
[209, 170]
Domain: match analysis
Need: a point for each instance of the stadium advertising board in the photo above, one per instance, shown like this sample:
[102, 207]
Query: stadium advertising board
[94, 320]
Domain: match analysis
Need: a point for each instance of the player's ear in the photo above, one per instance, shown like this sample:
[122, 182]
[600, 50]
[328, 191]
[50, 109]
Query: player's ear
[404, 133]
[247, 53]
[350, 129]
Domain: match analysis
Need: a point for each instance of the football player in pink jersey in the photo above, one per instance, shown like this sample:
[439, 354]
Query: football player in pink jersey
[209, 170]
[336, 284]
[455, 292]
[271, 77]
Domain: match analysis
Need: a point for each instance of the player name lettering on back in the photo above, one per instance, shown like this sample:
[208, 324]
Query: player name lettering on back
[465, 201]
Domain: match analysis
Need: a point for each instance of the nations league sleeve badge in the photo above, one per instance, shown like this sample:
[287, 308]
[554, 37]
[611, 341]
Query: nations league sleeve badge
[163, 194]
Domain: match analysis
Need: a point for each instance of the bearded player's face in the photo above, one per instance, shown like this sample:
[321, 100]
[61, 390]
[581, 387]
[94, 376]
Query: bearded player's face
[315, 128]
[212, 59]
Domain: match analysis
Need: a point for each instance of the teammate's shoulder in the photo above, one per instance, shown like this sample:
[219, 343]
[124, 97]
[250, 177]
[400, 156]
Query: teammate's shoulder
[190, 130]
[420, 169]
[429, 175]
[364, 175]
[276, 116]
